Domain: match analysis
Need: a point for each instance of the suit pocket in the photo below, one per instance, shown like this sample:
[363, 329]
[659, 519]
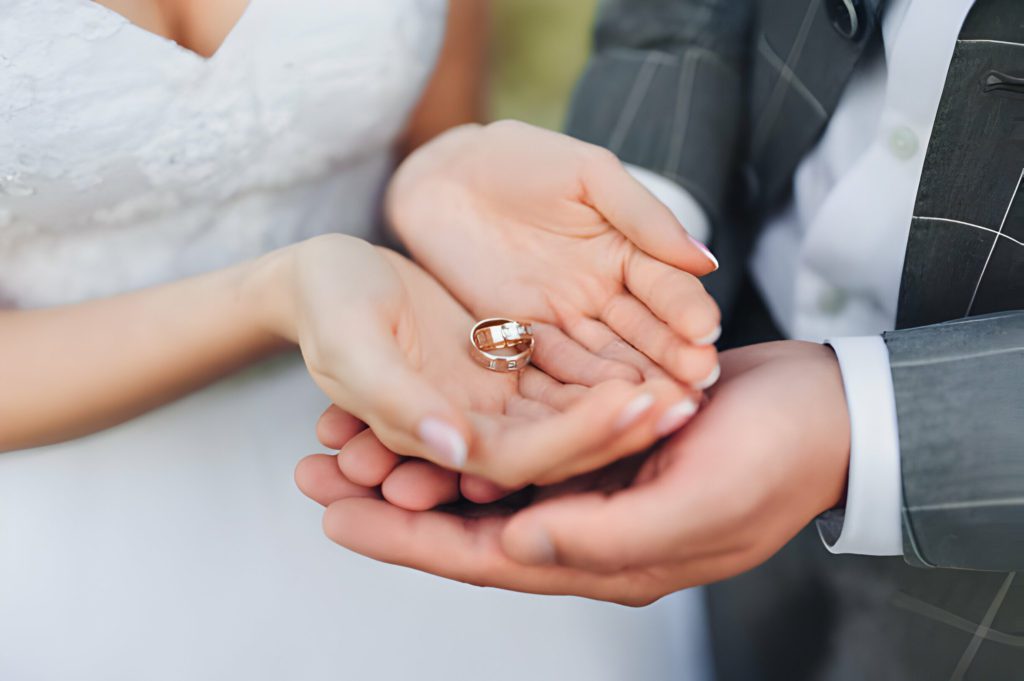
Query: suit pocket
[1001, 83]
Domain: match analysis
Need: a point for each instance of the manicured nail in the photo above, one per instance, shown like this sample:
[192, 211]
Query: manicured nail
[444, 441]
[711, 379]
[632, 412]
[706, 251]
[711, 338]
[675, 417]
[539, 550]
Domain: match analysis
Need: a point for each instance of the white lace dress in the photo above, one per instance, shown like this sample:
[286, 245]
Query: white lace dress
[176, 546]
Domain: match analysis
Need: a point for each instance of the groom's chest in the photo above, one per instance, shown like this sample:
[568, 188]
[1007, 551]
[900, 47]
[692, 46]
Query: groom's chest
[964, 253]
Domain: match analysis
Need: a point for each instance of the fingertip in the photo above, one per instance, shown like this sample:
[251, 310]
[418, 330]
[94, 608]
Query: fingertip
[676, 416]
[336, 427]
[307, 472]
[706, 253]
[420, 486]
[693, 365]
[319, 478]
[481, 490]
[710, 379]
[446, 442]
[366, 461]
[710, 338]
[634, 411]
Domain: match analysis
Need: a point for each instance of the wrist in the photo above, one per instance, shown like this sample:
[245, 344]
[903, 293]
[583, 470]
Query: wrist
[263, 292]
[284, 287]
[824, 420]
[843, 434]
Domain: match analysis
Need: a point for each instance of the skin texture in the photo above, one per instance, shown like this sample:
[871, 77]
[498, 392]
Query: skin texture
[561, 235]
[380, 337]
[453, 96]
[372, 340]
[387, 344]
[197, 25]
[768, 453]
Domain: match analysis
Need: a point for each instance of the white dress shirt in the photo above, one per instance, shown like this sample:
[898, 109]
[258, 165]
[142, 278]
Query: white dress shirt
[829, 264]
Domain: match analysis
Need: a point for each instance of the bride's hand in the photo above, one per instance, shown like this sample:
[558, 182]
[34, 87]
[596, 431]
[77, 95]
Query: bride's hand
[518, 221]
[389, 345]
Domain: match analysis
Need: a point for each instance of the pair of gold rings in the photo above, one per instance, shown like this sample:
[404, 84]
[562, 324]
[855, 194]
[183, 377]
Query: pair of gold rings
[514, 341]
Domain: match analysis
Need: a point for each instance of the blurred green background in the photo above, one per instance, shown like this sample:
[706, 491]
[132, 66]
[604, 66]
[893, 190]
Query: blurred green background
[539, 49]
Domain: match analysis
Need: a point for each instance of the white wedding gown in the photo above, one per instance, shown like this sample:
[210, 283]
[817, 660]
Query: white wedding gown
[176, 546]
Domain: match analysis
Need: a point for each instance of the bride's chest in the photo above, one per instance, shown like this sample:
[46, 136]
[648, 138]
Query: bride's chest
[98, 108]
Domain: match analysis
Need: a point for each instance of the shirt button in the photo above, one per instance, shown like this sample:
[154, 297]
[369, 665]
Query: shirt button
[903, 143]
[832, 301]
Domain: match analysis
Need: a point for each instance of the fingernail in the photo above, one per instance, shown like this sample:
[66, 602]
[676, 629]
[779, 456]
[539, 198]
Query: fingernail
[711, 379]
[706, 251]
[444, 441]
[711, 338]
[538, 549]
[632, 412]
[675, 417]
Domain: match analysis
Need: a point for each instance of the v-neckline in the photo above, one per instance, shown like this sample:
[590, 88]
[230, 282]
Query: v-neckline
[113, 14]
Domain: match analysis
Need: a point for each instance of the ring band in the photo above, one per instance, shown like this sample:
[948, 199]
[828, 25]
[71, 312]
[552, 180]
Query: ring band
[498, 333]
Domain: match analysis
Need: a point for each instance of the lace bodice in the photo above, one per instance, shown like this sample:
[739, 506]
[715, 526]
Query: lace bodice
[126, 159]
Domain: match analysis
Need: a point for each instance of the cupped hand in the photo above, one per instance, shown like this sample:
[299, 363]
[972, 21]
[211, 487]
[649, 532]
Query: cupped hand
[389, 345]
[520, 222]
[767, 454]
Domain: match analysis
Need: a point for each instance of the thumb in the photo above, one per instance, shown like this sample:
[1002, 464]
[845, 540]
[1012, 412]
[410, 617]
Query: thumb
[627, 204]
[410, 416]
[593, 531]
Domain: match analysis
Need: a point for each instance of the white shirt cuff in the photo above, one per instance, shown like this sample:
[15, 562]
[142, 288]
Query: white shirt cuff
[874, 497]
[691, 215]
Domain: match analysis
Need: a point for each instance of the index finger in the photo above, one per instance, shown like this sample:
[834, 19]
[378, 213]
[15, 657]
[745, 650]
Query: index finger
[641, 217]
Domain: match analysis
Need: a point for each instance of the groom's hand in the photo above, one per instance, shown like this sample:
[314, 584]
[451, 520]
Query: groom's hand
[767, 454]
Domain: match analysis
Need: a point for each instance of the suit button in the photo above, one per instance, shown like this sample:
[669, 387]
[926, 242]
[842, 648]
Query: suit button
[847, 16]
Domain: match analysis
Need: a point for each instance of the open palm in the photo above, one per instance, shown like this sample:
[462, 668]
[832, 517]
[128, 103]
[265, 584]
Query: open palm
[715, 500]
[524, 426]
[518, 221]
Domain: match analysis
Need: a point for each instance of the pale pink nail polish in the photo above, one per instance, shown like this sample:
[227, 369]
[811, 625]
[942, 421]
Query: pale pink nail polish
[444, 441]
[706, 251]
[633, 411]
[675, 417]
[711, 338]
[712, 378]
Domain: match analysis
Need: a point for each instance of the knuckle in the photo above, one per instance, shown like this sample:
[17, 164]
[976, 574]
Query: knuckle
[600, 158]
[613, 307]
[667, 347]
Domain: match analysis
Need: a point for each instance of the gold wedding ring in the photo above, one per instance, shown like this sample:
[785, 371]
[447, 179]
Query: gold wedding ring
[514, 339]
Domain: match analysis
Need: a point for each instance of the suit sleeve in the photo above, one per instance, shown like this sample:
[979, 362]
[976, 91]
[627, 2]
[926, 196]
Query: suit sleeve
[665, 89]
[959, 391]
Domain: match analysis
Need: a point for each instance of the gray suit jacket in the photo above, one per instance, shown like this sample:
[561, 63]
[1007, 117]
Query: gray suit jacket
[726, 97]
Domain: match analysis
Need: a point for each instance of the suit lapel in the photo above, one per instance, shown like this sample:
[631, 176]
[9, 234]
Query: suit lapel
[800, 68]
[965, 251]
